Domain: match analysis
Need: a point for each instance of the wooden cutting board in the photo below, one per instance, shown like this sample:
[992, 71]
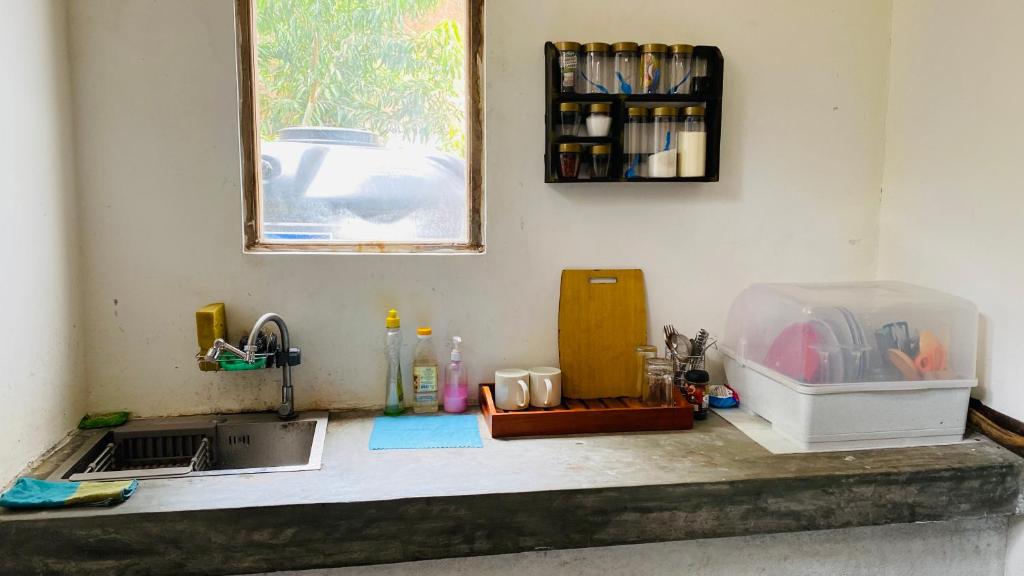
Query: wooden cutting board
[602, 318]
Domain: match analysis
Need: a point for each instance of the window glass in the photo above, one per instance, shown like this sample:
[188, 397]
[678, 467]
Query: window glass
[361, 119]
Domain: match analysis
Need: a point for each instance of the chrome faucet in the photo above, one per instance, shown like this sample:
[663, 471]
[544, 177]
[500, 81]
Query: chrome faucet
[286, 410]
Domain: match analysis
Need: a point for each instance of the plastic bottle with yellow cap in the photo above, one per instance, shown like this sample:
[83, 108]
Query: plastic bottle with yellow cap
[393, 402]
[424, 373]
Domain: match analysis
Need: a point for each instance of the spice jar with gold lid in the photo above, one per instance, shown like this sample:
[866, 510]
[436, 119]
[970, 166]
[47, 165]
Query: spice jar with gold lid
[680, 68]
[596, 68]
[652, 59]
[626, 67]
[636, 144]
[599, 119]
[569, 117]
[568, 62]
[600, 160]
[569, 160]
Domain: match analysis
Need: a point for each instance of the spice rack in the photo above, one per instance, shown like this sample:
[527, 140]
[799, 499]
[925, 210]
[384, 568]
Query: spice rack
[711, 100]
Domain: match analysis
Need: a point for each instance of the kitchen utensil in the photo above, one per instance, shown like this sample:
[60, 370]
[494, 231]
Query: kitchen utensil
[602, 318]
[685, 345]
[545, 387]
[511, 389]
[680, 343]
[931, 356]
[855, 356]
[700, 341]
[807, 352]
[903, 363]
[671, 345]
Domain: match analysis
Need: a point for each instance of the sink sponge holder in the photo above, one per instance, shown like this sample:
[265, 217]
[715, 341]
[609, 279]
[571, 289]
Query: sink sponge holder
[232, 363]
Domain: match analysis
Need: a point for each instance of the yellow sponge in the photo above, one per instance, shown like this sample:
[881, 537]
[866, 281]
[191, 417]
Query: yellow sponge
[211, 323]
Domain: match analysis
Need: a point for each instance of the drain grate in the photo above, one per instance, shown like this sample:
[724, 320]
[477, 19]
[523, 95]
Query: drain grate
[239, 439]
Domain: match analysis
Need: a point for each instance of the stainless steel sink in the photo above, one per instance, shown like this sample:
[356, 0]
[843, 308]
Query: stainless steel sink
[190, 446]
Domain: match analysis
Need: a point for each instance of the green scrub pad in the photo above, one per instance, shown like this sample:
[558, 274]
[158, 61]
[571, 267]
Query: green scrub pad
[103, 420]
[232, 363]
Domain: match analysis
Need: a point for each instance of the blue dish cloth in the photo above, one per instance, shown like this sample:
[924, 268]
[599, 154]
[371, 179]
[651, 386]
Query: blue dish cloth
[422, 431]
[32, 493]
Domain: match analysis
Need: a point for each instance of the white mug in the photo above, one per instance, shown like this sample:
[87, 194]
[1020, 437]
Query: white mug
[511, 391]
[545, 387]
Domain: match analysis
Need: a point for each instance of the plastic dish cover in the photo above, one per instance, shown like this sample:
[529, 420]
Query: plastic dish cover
[854, 332]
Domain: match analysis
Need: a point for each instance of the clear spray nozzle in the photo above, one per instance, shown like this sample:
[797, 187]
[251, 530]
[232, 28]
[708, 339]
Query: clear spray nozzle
[456, 354]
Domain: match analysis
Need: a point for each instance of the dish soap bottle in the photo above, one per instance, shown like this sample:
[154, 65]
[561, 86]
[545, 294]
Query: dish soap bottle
[424, 373]
[455, 387]
[393, 394]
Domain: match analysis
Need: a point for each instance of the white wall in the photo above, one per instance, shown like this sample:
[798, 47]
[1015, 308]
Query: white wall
[42, 384]
[805, 92]
[953, 198]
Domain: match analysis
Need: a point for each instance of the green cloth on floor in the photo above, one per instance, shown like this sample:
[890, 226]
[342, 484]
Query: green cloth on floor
[32, 493]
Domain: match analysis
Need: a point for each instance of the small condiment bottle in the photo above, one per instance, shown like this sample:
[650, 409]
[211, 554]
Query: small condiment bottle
[696, 383]
[568, 62]
[652, 58]
[569, 160]
[599, 119]
[569, 119]
[600, 160]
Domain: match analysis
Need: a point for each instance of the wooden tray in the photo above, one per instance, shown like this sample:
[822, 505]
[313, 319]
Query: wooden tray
[584, 416]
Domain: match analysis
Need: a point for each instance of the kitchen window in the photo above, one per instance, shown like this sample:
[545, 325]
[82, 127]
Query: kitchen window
[361, 125]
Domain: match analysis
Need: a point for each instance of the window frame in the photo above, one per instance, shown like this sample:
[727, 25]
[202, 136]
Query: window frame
[245, 21]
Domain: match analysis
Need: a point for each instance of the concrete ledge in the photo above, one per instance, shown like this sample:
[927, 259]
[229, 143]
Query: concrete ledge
[797, 493]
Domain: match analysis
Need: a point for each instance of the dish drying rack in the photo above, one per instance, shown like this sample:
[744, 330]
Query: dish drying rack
[150, 456]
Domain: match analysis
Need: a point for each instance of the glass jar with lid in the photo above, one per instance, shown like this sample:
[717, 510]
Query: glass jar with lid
[569, 117]
[600, 160]
[569, 160]
[596, 68]
[700, 83]
[659, 382]
[626, 67]
[662, 162]
[599, 119]
[663, 136]
[635, 142]
[680, 68]
[693, 142]
[568, 62]
[652, 60]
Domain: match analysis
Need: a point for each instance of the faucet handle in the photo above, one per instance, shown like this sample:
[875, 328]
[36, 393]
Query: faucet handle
[211, 355]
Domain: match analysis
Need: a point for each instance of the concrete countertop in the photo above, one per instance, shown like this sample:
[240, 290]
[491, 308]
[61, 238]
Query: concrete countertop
[368, 507]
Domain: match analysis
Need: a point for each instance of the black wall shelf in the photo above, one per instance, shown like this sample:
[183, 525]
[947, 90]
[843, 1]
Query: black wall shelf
[710, 100]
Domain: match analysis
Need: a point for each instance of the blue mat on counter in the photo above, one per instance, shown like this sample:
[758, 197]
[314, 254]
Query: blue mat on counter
[425, 431]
